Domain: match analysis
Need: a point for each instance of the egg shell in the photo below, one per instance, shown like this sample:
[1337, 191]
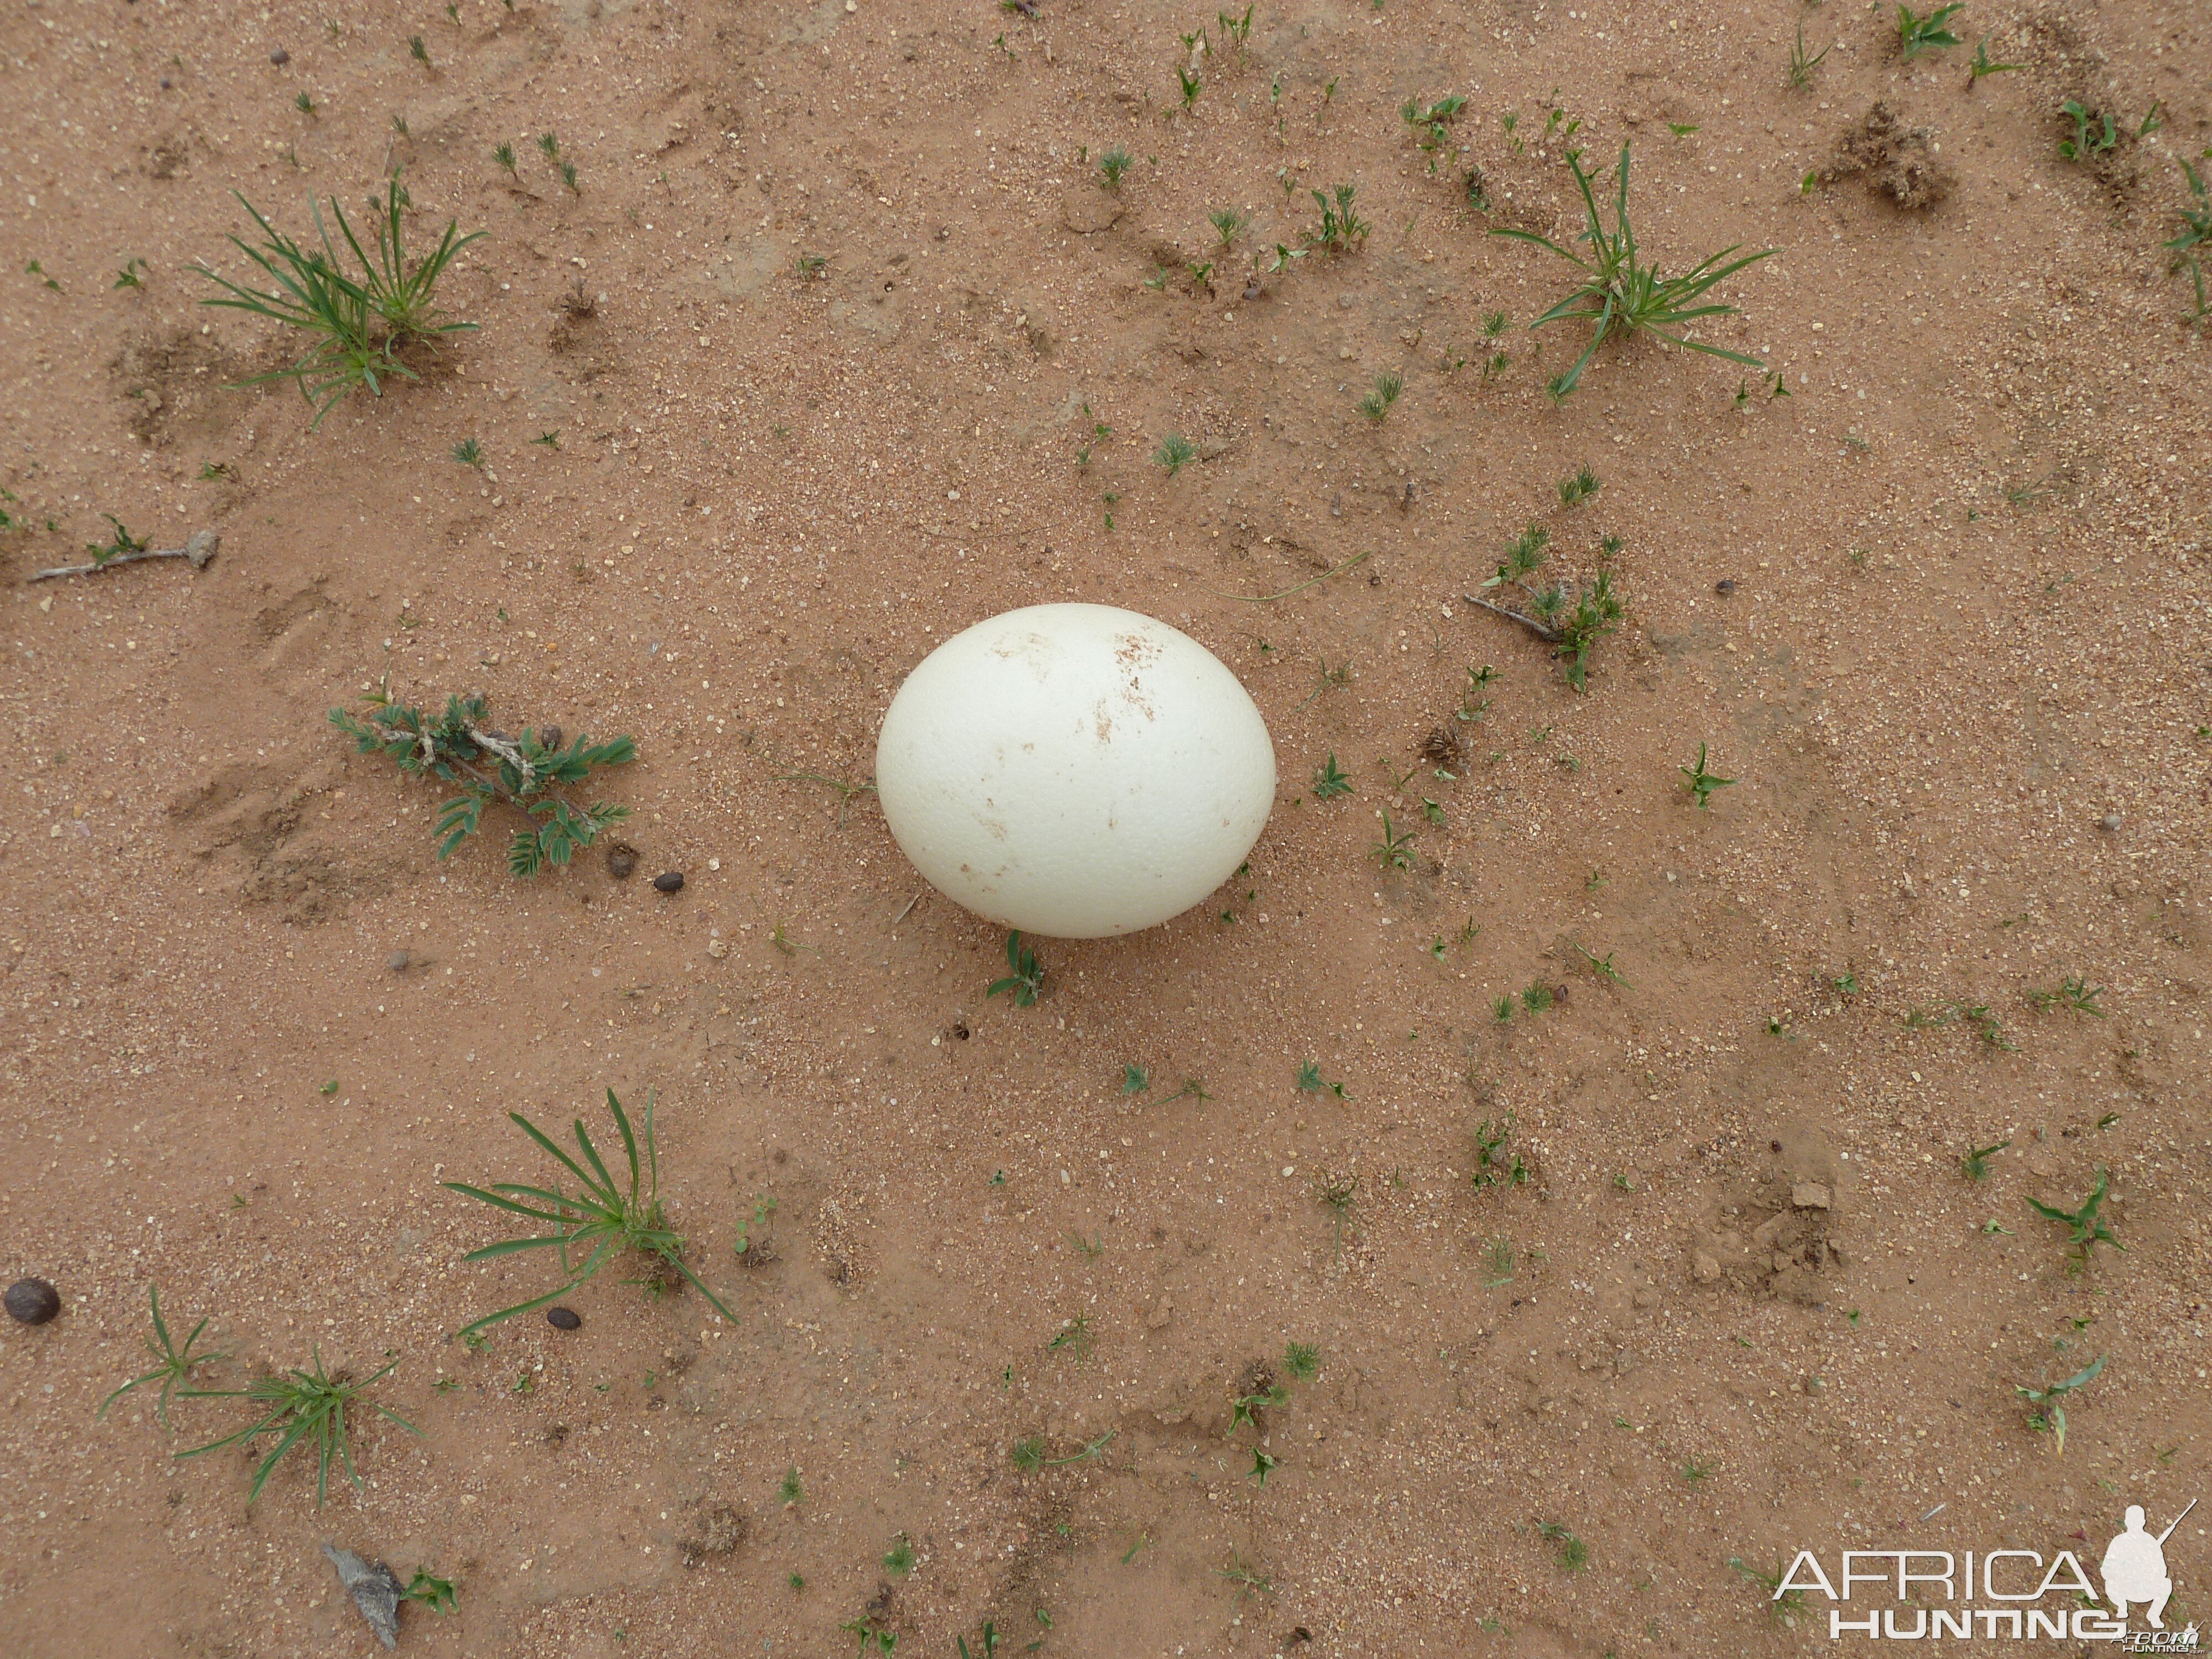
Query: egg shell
[1074, 770]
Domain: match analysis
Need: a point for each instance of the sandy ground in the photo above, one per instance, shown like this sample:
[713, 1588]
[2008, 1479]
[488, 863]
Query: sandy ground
[1940, 614]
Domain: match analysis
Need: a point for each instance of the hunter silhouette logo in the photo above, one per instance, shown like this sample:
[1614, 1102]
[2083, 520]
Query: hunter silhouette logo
[2134, 1568]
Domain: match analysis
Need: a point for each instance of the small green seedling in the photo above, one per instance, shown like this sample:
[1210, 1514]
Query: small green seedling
[898, 1560]
[2093, 133]
[1495, 1163]
[2074, 992]
[1376, 403]
[1573, 631]
[1801, 65]
[1074, 1338]
[1341, 229]
[1982, 65]
[567, 170]
[129, 276]
[429, 1590]
[2086, 1228]
[1337, 1195]
[1025, 975]
[1191, 88]
[1310, 1081]
[1090, 1249]
[1112, 165]
[1329, 782]
[470, 452]
[303, 1408]
[1227, 223]
[417, 51]
[1917, 34]
[990, 1637]
[593, 1226]
[1500, 1256]
[548, 146]
[34, 269]
[1393, 851]
[1302, 1361]
[2046, 1412]
[845, 791]
[1175, 452]
[1573, 1554]
[1135, 1079]
[881, 1639]
[121, 542]
[788, 1492]
[752, 1234]
[1988, 1027]
[2196, 232]
[1578, 487]
[1622, 295]
[1431, 125]
[1263, 1465]
[1695, 1469]
[1682, 129]
[1236, 27]
[1700, 783]
[359, 324]
[173, 1365]
[1975, 1165]
[1602, 966]
[504, 154]
[1784, 1606]
[460, 747]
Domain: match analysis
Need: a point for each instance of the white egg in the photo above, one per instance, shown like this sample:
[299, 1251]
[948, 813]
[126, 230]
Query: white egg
[1074, 770]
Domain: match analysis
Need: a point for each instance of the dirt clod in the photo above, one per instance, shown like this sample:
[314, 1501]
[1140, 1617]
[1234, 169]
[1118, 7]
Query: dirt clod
[398, 961]
[1897, 160]
[721, 1528]
[621, 859]
[33, 1301]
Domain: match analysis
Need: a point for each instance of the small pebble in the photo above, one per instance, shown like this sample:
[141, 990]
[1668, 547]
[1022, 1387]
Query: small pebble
[397, 962]
[622, 860]
[551, 737]
[33, 1301]
[1725, 586]
[164, 83]
[564, 1319]
[280, 56]
[1252, 291]
[2111, 821]
[669, 881]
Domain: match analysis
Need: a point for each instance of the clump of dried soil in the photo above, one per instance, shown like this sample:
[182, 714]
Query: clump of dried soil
[1899, 160]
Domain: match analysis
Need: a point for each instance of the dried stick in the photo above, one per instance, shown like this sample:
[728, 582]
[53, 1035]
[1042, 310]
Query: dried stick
[1549, 635]
[199, 548]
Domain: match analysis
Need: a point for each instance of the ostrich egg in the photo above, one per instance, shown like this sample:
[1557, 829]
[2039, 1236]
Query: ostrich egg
[1074, 770]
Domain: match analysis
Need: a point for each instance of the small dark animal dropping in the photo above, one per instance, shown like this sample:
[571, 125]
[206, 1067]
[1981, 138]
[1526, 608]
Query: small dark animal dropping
[1725, 586]
[33, 1301]
[621, 859]
[669, 881]
[280, 56]
[564, 1319]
